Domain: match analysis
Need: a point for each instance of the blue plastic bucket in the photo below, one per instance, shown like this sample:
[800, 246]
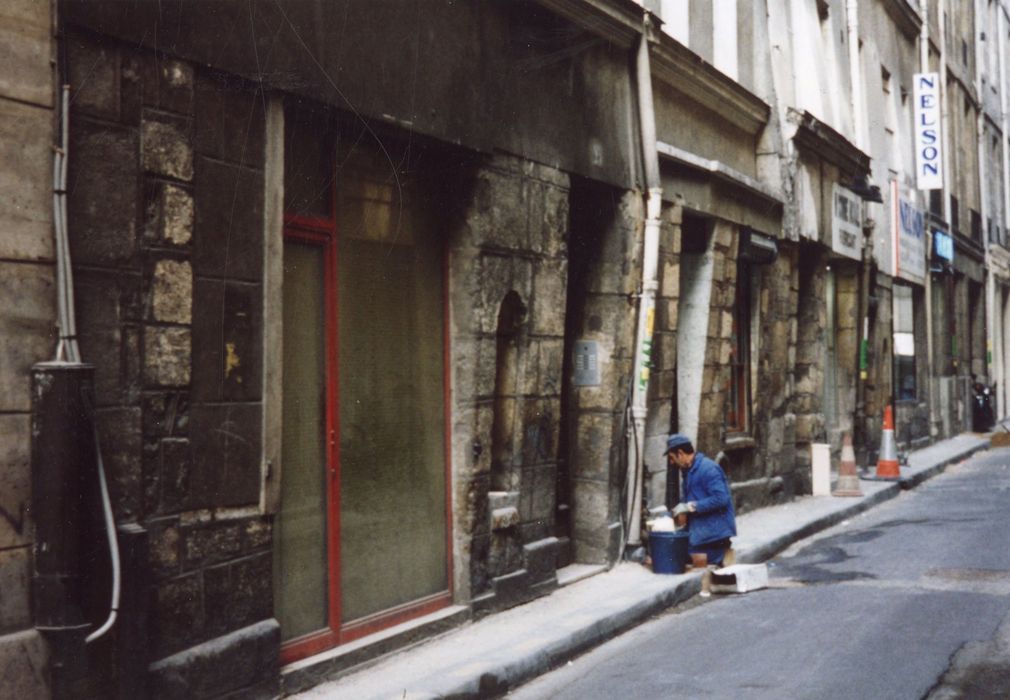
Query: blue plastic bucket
[669, 552]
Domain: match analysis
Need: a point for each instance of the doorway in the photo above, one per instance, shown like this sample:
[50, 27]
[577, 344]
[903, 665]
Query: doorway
[362, 536]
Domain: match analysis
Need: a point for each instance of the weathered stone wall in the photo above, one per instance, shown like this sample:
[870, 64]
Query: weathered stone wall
[663, 376]
[919, 433]
[28, 296]
[718, 345]
[962, 320]
[879, 385]
[811, 356]
[772, 470]
[512, 239]
[166, 188]
[770, 461]
[847, 346]
[978, 356]
[605, 245]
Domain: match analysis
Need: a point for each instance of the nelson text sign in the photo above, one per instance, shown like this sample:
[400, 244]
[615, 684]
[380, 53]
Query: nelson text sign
[928, 141]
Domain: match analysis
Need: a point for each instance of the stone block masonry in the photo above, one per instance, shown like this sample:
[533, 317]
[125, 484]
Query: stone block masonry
[166, 196]
[27, 328]
[509, 258]
[605, 273]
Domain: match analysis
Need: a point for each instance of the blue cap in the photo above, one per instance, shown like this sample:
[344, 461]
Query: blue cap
[677, 440]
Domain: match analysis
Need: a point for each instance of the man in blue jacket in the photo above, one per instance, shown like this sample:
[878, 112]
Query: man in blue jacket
[705, 497]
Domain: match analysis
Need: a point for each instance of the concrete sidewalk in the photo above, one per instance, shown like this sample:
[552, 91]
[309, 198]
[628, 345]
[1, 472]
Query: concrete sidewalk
[506, 649]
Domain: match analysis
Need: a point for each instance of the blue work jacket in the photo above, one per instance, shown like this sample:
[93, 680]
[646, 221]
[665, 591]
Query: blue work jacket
[706, 485]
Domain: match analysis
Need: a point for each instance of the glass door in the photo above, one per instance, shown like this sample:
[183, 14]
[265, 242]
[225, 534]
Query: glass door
[362, 536]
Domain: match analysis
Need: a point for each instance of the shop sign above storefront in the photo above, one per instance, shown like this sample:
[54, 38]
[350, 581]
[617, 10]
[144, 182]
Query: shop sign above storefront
[846, 223]
[908, 226]
[943, 246]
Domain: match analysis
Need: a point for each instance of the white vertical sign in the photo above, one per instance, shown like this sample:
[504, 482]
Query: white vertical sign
[846, 223]
[928, 148]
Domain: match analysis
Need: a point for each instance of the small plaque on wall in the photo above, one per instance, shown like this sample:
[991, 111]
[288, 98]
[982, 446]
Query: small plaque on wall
[587, 363]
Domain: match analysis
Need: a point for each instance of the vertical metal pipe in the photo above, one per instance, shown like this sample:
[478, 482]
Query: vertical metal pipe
[63, 464]
[1002, 370]
[131, 634]
[983, 189]
[647, 302]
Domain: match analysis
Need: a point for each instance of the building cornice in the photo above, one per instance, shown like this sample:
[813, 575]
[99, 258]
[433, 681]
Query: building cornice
[966, 245]
[720, 171]
[689, 74]
[621, 22]
[906, 16]
[1000, 254]
[817, 138]
[618, 21]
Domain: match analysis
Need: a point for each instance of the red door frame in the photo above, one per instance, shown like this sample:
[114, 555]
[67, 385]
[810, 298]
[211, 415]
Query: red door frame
[323, 232]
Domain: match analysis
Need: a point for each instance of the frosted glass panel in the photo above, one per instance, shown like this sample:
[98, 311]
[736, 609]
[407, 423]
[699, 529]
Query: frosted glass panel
[300, 553]
[392, 452]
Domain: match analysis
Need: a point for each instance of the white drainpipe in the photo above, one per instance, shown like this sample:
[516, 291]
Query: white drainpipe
[647, 302]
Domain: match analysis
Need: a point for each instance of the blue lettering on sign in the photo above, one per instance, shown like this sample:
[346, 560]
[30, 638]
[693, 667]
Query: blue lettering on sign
[943, 245]
[911, 219]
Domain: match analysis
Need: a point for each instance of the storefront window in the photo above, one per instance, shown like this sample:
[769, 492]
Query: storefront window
[361, 539]
[904, 343]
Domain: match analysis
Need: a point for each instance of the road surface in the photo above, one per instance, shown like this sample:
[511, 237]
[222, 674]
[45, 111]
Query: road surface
[909, 600]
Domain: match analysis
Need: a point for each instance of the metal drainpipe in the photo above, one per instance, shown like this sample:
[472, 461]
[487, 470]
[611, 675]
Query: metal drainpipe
[1001, 388]
[647, 302]
[859, 127]
[859, 433]
[63, 467]
[944, 116]
[66, 460]
[984, 204]
[983, 194]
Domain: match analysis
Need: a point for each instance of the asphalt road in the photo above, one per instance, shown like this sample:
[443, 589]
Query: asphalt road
[909, 600]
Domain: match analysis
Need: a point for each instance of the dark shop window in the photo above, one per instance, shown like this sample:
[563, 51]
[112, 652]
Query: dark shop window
[904, 343]
[737, 402]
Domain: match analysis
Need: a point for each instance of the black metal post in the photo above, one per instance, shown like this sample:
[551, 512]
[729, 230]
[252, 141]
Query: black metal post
[131, 630]
[63, 463]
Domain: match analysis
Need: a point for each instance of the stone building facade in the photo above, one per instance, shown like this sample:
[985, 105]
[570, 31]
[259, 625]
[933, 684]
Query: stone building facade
[362, 305]
[28, 91]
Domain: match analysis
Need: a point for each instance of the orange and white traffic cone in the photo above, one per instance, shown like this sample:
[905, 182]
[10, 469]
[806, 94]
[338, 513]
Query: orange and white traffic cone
[848, 477]
[887, 463]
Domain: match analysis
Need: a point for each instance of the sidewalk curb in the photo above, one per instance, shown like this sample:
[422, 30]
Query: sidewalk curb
[537, 664]
[766, 551]
[926, 473]
[501, 675]
[509, 667]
